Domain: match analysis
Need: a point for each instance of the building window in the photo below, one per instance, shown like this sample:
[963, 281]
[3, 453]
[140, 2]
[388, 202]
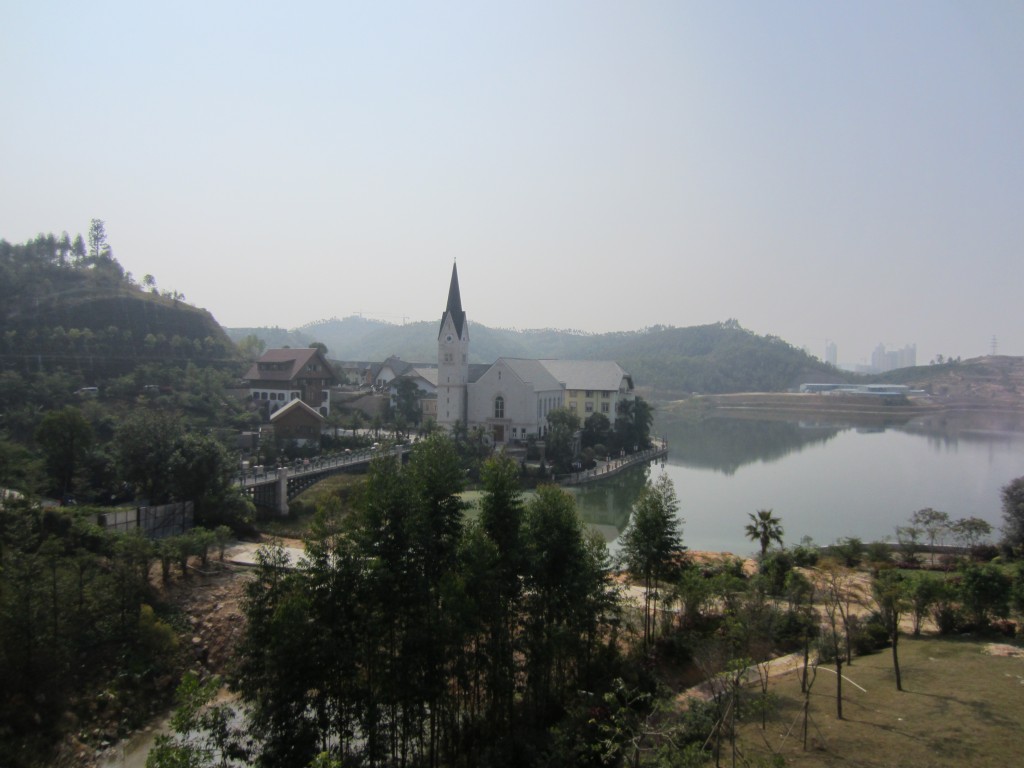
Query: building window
[572, 405]
[604, 408]
[590, 393]
[499, 407]
[589, 407]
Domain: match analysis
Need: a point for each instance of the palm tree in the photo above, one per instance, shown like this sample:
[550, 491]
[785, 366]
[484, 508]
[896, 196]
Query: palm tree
[764, 528]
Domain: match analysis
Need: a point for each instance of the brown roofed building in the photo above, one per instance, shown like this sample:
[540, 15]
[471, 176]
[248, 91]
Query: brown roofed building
[297, 421]
[283, 375]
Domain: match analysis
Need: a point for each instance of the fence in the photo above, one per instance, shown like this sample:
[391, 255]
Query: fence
[154, 522]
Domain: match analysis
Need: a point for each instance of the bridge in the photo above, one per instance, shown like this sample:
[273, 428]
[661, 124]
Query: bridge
[274, 487]
[614, 465]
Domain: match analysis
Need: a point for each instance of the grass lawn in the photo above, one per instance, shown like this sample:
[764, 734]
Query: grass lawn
[960, 707]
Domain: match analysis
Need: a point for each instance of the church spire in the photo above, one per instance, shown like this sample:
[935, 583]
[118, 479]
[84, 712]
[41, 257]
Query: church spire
[454, 307]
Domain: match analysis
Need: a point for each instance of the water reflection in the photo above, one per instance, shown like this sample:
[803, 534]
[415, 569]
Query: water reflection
[726, 444]
[606, 504]
[946, 430]
[872, 476]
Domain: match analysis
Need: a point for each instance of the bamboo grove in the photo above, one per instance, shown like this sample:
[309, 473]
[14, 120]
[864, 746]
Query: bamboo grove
[411, 636]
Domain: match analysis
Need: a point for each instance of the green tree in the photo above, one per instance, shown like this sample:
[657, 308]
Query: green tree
[984, 591]
[597, 430]
[923, 592]
[202, 732]
[934, 524]
[888, 589]
[436, 527]
[566, 594]
[98, 246]
[252, 346]
[145, 445]
[1013, 513]
[65, 437]
[970, 531]
[407, 401]
[560, 441]
[501, 518]
[633, 421]
[279, 662]
[199, 470]
[652, 544]
[764, 528]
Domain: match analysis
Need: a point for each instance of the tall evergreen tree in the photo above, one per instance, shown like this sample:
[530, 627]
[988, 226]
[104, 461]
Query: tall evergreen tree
[652, 544]
[501, 517]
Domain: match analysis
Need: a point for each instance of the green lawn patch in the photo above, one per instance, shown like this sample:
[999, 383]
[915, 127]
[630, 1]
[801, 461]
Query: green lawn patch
[960, 706]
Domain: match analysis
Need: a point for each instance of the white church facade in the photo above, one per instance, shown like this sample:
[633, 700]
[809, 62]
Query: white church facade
[512, 398]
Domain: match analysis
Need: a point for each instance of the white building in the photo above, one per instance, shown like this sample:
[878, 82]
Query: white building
[512, 398]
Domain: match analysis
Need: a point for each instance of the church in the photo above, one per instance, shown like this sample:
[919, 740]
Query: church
[511, 398]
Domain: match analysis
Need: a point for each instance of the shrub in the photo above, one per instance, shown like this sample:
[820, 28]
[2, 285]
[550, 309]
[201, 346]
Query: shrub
[775, 566]
[1005, 627]
[788, 630]
[923, 592]
[984, 553]
[869, 636]
[805, 556]
[826, 650]
[850, 551]
[879, 552]
[156, 636]
[985, 592]
[948, 618]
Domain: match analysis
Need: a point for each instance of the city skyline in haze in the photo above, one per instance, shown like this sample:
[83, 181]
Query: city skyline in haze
[819, 172]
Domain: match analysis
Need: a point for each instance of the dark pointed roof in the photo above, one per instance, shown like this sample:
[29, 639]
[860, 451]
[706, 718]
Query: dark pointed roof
[454, 307]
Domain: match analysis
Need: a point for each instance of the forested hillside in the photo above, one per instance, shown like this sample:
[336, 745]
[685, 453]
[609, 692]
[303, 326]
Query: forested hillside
[72, 307]
[723, 357]
[83, 350]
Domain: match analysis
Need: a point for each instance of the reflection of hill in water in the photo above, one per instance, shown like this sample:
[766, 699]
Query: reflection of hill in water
[726, 444]
[948, 428]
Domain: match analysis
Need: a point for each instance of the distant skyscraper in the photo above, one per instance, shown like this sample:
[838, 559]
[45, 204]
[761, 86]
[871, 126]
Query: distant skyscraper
[883, 360]
[831, 353]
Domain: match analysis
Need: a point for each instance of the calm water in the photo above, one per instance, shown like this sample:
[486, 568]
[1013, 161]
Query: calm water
[823, 480]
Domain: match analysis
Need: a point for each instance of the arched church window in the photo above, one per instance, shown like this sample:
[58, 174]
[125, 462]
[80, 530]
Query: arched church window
[499, 407]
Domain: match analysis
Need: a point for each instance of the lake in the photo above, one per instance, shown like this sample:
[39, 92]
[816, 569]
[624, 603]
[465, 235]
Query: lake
[824, 479]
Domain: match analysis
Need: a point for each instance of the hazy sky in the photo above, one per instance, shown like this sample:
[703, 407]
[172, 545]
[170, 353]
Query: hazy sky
[817, 170]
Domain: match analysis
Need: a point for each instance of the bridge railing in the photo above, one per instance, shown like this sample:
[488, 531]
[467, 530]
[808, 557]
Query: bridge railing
[262, 475]
[614, 465]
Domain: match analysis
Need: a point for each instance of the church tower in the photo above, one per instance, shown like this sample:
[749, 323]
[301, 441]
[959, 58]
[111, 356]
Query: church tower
[453, 360]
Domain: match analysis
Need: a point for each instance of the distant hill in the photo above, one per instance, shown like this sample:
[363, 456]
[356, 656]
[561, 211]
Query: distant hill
[992, 380]
[665, 361]
[67, 309]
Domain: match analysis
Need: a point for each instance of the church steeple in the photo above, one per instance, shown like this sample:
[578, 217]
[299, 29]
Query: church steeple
[453, 360]
[454, 308]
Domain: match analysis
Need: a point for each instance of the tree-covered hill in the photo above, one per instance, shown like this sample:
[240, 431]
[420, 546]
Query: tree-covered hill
[722, 357]
[71, 307]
